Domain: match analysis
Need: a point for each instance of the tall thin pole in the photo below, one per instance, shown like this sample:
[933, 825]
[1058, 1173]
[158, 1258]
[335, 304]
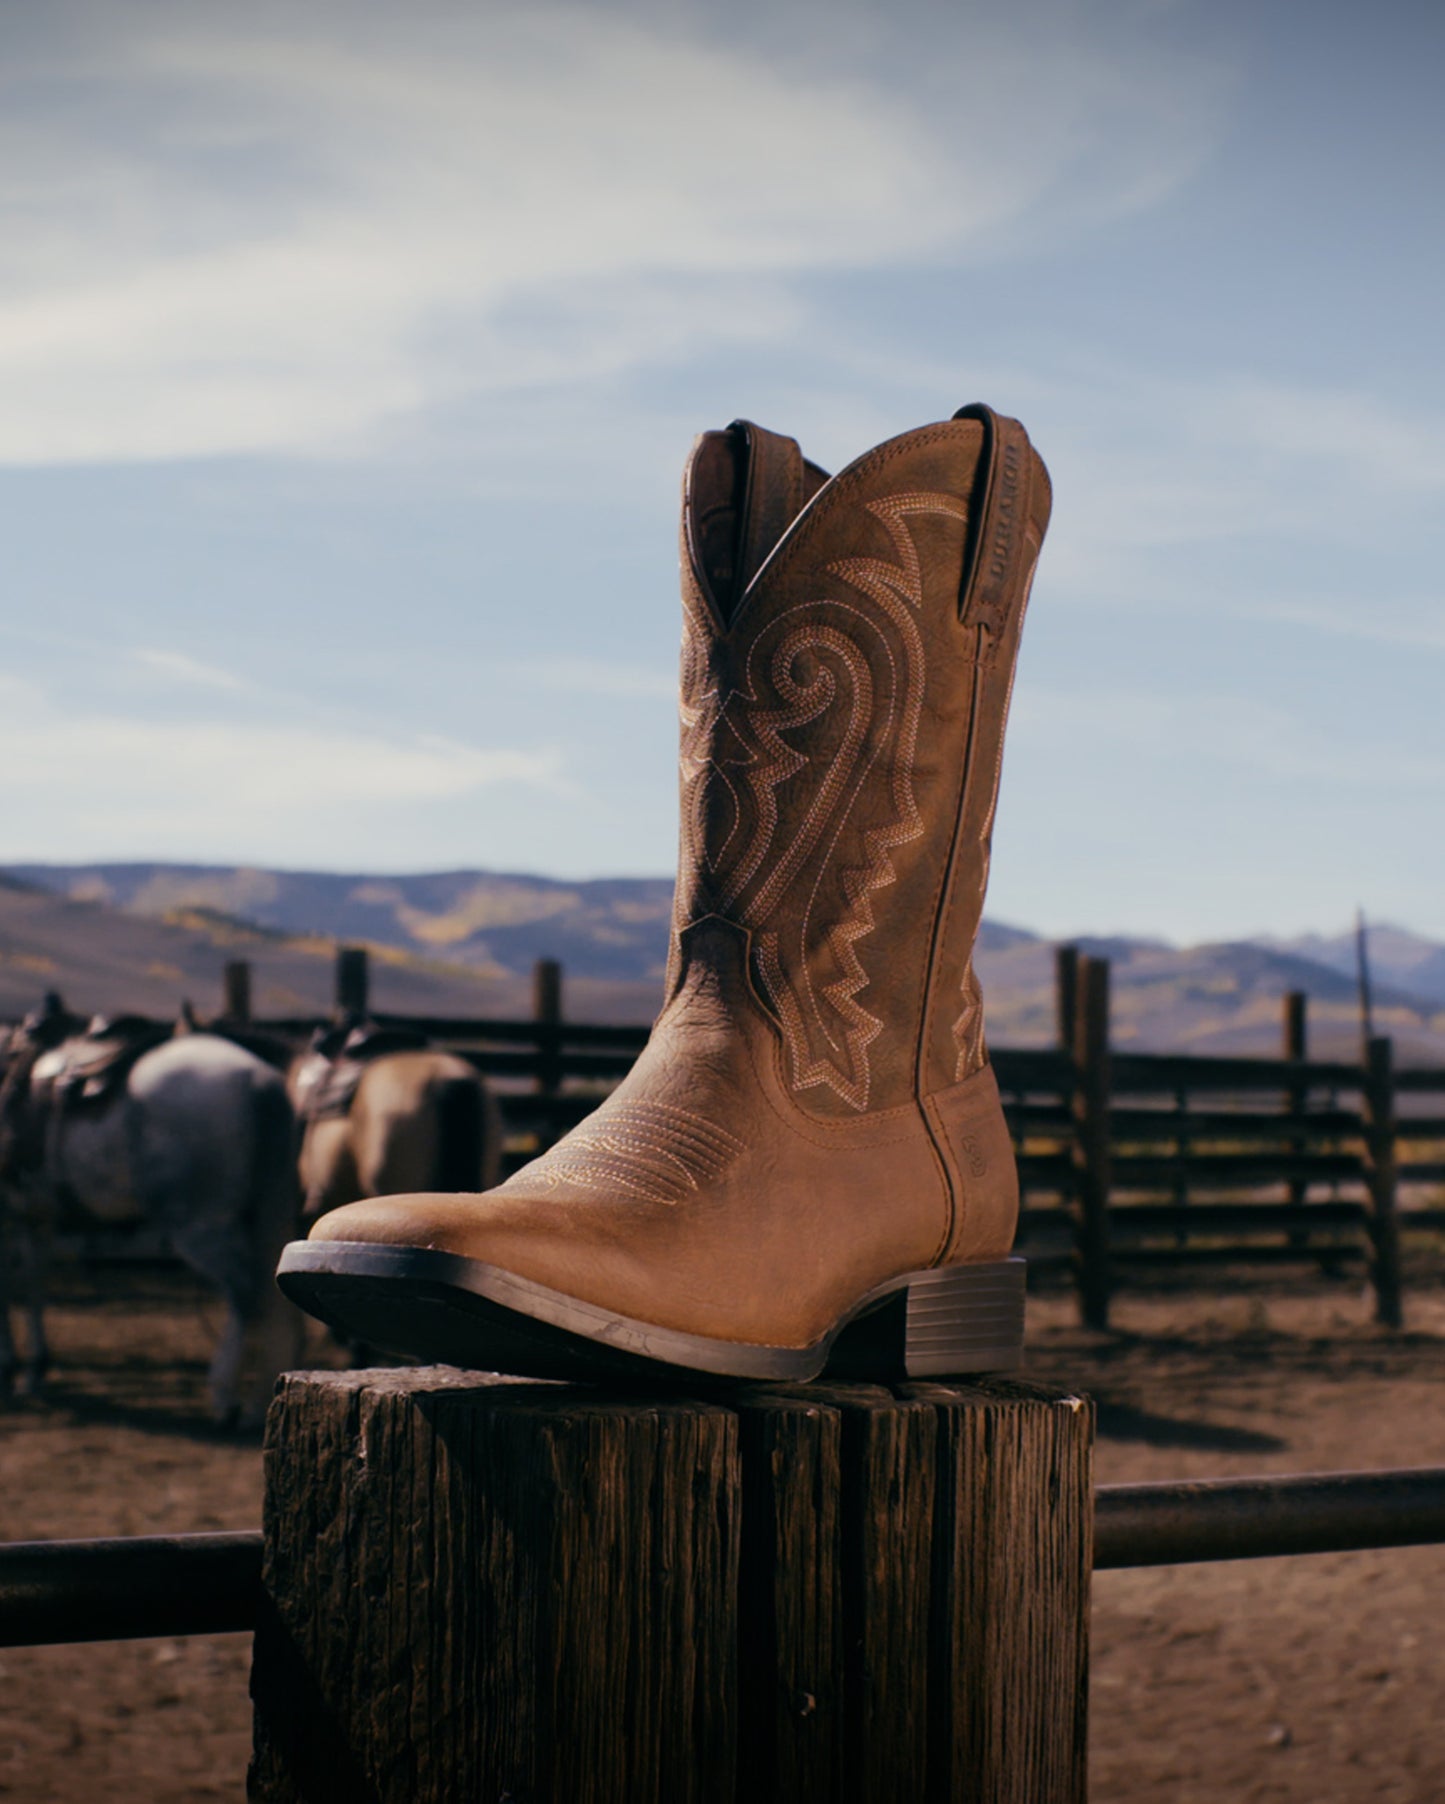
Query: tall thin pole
[1362, 967]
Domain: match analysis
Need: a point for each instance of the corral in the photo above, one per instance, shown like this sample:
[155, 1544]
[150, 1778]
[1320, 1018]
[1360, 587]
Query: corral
[1297, 1679]
[1245, 1680]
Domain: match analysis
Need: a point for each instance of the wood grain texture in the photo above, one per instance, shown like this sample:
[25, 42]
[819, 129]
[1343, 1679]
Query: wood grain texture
[886, 1503]
[890, 1488]
[790, 1626]
[495, 1591]
[1013, 1551]
[822, 1594]
[1093, 1150]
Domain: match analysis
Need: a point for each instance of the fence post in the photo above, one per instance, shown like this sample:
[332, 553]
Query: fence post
[482, 1588]
[1092, 1149]
[352, 981]
[1295, 1048]
[236, 991]
[1296, 1030]
[1066, 994]
[1379, 1098]
[1181, 1155]
[547, 1013]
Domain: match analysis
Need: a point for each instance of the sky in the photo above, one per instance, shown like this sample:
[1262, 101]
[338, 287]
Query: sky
[349, 355]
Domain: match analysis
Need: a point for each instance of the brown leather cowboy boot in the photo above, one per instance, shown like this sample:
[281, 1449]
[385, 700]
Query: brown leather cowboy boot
[808, 1166]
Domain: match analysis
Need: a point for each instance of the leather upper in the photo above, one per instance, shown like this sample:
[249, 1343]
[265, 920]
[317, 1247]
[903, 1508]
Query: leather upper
[814, 1113]
[842, 732]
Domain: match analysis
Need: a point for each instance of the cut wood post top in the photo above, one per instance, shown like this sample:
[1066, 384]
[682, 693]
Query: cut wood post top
[478, 1586]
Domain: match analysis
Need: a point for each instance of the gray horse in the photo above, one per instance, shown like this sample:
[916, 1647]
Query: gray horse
[197, 1140]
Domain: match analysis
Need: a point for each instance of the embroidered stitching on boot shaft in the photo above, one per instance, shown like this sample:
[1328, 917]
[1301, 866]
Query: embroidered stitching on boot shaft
[859, 667]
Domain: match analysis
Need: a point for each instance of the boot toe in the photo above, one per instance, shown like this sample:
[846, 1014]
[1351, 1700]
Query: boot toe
[432, 1220]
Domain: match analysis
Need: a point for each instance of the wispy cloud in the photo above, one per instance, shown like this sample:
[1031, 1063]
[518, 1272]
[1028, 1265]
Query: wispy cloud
[1348, 429]
[1416, 623]
[264, 229]
[1223, 732]
[153, 782]
[179, 667]
[595, 676]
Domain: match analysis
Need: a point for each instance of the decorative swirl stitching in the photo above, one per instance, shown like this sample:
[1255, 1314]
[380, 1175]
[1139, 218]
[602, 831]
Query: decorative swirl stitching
[732, 727]
[805, 702]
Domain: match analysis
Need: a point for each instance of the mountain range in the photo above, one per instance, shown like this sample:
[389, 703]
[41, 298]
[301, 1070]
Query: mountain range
[142, 935]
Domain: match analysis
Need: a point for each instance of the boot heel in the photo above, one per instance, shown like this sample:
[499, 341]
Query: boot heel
[936, 1324]
[965, 1318]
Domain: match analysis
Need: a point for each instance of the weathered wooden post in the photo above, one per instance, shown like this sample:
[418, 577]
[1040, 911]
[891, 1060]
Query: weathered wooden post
[1093, 1159]
[353, 981]
[236, 991]
[1380, 1162]
[1066, 994]
[1181, 1160]
[1296, 1026]
[547, 1013]
[1295, 1049]
[492, 1589]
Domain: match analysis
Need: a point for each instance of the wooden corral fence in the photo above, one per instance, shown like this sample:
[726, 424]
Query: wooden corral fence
[1128, 1161]
[1131, 1161]
[474, 1586]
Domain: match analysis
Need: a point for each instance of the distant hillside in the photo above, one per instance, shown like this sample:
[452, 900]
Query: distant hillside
[1398, 958]
[464, 942]
[1206, 999]
[492, 923]
[104, 960]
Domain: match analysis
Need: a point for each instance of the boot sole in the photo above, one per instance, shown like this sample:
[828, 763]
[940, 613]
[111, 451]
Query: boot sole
[446, 1310]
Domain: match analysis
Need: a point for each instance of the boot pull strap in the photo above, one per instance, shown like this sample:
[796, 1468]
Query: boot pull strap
[774, 490]
[997, 551]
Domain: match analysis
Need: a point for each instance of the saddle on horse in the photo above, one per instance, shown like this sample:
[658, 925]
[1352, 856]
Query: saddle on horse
[327, 1080]
[89, 1064]
[96, 1065]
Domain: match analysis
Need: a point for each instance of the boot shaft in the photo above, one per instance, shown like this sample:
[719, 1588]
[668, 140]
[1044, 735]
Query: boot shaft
[848, 652]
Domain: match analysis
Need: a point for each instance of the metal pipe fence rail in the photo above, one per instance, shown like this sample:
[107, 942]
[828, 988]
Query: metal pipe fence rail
[173, 1585]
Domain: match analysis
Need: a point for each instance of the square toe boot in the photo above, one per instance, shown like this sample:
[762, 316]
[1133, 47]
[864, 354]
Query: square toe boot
[808, 1167]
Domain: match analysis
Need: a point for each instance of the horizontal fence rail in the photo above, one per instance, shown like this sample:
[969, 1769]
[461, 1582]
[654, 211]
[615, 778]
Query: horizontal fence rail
[169, 1585]
[129, 1588]
[1257, 1518]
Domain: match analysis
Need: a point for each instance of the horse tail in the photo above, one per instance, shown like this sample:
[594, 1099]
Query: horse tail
[461, 1136]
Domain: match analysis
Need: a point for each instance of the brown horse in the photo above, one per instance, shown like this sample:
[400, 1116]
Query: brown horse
[383, 1112]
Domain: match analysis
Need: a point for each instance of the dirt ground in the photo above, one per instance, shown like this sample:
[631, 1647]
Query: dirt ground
[1308, 1680]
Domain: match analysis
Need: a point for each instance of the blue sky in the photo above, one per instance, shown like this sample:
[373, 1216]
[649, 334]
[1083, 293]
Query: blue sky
[349, 355]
